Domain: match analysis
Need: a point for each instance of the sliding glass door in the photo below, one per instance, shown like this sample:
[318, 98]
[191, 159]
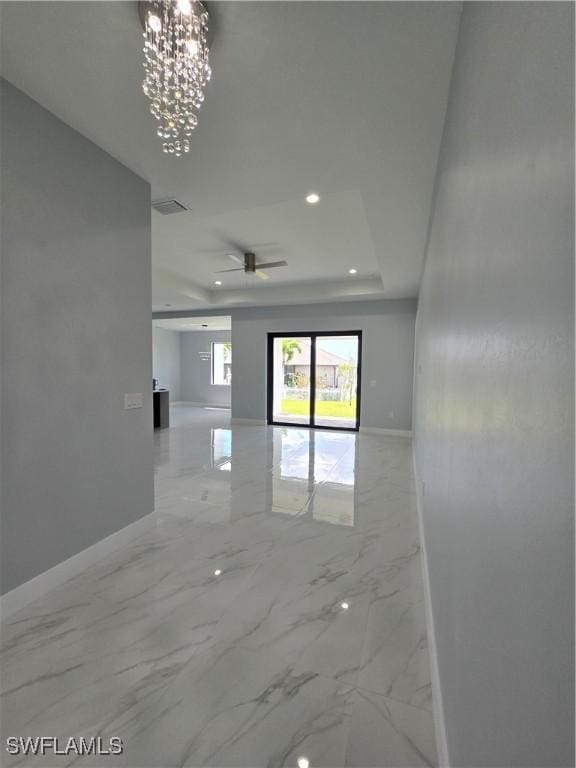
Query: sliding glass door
[291, 376]
[314, 379]
[335, 404]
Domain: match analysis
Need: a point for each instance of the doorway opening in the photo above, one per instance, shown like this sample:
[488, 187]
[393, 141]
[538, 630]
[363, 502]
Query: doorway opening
[314, 379]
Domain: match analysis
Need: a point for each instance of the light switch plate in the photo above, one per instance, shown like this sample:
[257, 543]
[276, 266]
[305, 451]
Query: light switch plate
[133, 400]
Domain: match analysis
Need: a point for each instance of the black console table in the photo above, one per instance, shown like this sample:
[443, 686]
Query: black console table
[161, 408]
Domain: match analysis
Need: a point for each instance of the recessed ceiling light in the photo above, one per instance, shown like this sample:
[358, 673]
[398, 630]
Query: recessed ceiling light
[352, 271]
[312, 198]
[303, 762]
[217, 282]
[344, 606]
[217, 572]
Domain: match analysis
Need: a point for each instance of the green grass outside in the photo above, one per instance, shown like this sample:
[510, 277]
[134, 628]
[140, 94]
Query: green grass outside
[344, 410]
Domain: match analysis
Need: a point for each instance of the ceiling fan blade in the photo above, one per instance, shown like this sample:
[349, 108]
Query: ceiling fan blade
[270, 247]
[242, 247]
[272, 264]
[220, 271]
[235, 258]
[262, 275]
[229, 242]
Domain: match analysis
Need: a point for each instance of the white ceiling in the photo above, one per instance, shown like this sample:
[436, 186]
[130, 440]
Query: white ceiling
[343, 98]
[191, 324]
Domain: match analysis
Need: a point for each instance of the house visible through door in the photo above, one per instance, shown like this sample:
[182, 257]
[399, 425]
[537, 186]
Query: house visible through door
[314, 379]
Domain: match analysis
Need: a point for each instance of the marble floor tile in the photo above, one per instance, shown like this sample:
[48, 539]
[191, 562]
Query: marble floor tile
[237, 707]
[274, 612]
[395, 659]
[384, 732]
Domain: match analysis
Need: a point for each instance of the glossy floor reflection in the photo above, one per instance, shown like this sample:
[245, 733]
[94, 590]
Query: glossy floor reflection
[274, 615]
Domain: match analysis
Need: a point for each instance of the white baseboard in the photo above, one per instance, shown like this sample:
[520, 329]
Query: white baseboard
[197, 404]
[252, 422]
[437, 701]
[200, 405]
[386, 432]
[37, 587]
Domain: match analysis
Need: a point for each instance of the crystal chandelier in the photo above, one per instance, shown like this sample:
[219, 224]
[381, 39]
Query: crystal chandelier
[177, 68]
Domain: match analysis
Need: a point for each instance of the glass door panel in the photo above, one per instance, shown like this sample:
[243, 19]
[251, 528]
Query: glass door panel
[291, 379]
[336, 393]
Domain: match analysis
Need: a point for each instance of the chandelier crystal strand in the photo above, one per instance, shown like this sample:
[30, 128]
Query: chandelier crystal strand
[177, 68]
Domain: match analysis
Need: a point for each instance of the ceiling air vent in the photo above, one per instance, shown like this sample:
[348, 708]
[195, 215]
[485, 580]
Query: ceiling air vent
[168, 206]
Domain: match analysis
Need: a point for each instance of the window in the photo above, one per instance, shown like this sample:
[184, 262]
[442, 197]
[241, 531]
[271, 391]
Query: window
[221, 363]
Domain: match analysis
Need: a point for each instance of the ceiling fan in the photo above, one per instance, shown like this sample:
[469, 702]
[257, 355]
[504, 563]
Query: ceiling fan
[250, 267]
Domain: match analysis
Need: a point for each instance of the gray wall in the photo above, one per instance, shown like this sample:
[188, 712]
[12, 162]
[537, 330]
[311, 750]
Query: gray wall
[166, 360]
[387, 362]
[196, 374]
[494, 390]
[76, 336]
